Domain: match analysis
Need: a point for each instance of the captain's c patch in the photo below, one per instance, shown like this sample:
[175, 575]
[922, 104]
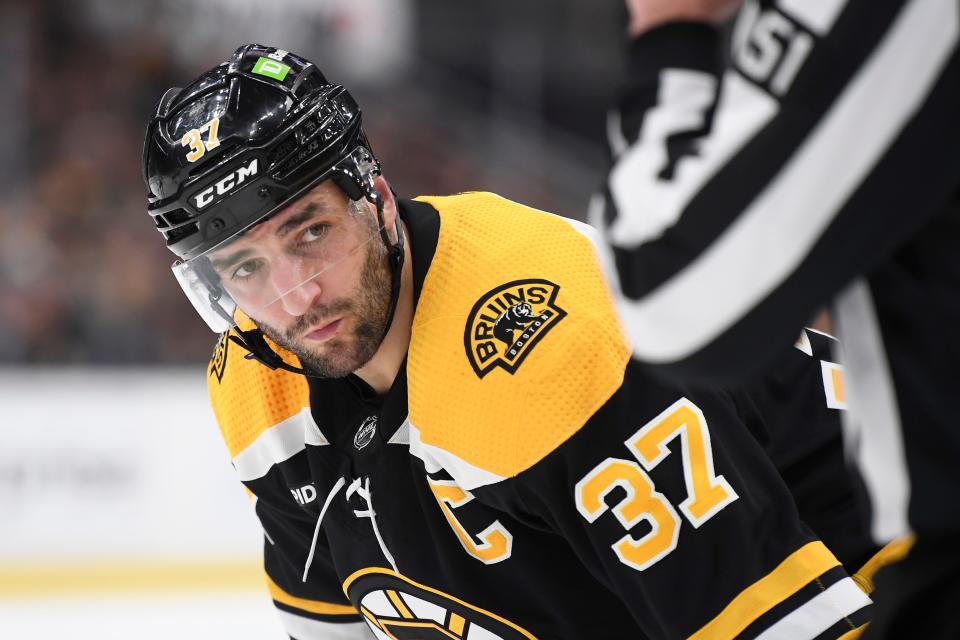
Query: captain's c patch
[506, 324]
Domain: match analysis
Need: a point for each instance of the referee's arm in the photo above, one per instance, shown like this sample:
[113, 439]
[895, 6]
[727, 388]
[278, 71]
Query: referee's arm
[753, 179]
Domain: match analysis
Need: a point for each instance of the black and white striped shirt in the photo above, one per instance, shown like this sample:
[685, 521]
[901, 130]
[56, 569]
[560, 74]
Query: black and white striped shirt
[811, 156]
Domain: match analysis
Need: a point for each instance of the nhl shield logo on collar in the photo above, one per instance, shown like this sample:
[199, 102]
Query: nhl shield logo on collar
[507, 323]
[364, 435]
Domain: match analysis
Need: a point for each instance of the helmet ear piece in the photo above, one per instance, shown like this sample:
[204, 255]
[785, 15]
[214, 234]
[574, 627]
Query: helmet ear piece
[348, 186]
[355, 174]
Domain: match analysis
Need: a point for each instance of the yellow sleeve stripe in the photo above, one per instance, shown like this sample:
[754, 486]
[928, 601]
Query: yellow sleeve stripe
[800, 567]
[273, 445]
[312, 606]
[248, 398]
[853, 634]
[893, 552]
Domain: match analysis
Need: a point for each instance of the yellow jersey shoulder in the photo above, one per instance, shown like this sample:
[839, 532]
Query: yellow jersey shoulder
[247, 397]
[515, 341]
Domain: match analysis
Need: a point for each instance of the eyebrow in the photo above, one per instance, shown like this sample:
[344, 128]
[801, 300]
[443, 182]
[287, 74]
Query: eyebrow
[291, 223]
[297, 219]
[222, 264]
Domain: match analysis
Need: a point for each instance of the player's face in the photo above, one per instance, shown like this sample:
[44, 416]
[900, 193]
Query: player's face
[315, 279]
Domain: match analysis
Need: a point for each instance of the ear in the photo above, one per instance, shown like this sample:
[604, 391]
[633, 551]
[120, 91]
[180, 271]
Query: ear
[390, 213]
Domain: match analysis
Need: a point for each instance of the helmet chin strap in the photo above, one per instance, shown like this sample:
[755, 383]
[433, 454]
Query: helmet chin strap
[394, 259]
[253, 340]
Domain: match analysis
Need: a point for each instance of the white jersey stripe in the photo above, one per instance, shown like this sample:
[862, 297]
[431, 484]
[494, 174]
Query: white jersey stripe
[466, 475]
[312, 434]
[646, 205]
[819, 613]
[309, 629]
[822, 333]
[278, 443]
[401, 435]
[803, 343]
[774, 235]
[872, 427]
[618, 143]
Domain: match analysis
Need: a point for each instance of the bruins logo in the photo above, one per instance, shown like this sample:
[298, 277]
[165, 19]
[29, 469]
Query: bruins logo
[398, 608]
[218, 362]
[507, 322]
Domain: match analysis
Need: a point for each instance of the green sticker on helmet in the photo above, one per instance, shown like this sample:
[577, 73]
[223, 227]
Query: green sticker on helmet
[271, 69]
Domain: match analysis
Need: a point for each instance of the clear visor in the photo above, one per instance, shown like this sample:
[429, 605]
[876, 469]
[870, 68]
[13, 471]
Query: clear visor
[275, 267]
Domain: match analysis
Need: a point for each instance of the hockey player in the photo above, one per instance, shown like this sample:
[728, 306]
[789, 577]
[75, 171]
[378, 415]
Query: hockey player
[439, 422]
[810, 156]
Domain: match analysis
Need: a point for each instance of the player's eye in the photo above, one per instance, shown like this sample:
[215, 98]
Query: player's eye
[314, 232]
[246, 269]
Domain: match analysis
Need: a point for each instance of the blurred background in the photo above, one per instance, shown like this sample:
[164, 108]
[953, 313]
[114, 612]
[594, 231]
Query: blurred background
[119, 512]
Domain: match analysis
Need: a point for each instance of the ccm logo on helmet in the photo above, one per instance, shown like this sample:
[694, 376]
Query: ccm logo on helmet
[226, 184]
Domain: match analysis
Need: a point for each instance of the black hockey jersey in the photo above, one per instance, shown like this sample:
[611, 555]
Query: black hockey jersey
[522, 478]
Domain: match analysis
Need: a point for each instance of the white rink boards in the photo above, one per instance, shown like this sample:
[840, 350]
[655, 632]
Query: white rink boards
[122, 516]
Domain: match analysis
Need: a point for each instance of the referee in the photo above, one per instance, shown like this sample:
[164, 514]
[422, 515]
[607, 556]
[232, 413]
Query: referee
[808, 156]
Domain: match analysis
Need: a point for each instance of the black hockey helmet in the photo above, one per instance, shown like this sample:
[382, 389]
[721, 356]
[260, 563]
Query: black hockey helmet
[237, 145]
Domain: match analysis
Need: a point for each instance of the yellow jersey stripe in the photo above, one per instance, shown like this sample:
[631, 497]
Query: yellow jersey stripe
[800, 567]
[252, 398]
[853, 634]
[372, 619]
[304, 604]
[894, 551]
[457, 624]
[399, 604]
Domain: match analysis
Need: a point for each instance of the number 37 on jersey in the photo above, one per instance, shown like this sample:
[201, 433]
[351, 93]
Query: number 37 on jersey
[707, 493]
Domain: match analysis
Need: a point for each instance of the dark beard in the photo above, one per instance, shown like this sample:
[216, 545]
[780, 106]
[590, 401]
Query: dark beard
[369, 306]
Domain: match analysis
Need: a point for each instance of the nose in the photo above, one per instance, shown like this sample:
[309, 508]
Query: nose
[298, 301]
[294, 286]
